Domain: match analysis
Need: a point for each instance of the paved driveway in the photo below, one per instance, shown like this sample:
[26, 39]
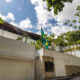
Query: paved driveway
[77, 78]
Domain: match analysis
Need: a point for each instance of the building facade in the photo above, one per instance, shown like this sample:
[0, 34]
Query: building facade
[21, 61]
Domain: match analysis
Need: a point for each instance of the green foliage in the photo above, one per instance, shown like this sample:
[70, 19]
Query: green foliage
[33, 43]
[52, 35]
[79, 27]
[50, 39]
[38, 44]
[24, 35]
[71, 25]
[61, 41]
[56, 5]
[19, 38]
[74, 21]
[1, 21]
[70, 38]
[78, 12]
[75, 26]
[71, 49]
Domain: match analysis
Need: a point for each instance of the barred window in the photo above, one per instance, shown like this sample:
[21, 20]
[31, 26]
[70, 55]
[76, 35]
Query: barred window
[49, 67]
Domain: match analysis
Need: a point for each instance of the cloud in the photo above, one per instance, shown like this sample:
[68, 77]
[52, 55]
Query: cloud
[3, 17]
[8, 1]
[15, 24]
[43, 15]
[60, 29]
[68, 11]
[24, 24]
[10, 16]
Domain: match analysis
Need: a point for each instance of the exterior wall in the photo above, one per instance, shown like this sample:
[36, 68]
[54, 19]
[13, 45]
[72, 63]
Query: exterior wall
[59, 68]
[60, 61]
[72, 65]
[74, 52]
[16, 60]
[40, 73]
[72, 69]
[13, 36]
[16, 48]
[48, 74]
[1, 32]
[38, 68]
[8, 34]
[16, 69]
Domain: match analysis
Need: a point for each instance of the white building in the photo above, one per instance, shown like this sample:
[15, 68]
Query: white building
[21, 61]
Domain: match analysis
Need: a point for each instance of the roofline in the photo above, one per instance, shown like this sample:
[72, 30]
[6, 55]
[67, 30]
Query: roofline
[9, 27]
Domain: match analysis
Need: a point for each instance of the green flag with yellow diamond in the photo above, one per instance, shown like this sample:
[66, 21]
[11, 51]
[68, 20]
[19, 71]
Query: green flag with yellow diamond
[44, 40]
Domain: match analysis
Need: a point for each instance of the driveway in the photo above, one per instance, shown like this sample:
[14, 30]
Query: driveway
[77, 78]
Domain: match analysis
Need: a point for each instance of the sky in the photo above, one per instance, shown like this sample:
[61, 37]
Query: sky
[31, 15]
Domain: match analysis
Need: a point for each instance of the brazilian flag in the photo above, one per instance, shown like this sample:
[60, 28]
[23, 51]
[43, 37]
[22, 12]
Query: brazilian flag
[44, 40]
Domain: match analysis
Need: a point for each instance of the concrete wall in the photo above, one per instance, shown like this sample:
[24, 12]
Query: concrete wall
[11, 69]
[60, 61]
[38, 69]
[16, 48]
[8, 34]
[13, 36]
[16, 60]
[51, 74]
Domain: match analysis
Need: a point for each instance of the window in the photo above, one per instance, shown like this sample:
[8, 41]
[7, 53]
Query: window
[49, 66]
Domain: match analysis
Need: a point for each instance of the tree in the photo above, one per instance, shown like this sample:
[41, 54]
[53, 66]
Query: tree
[56, 5]
[69, 41]
[1, 21]
[51, 38]
[61, 41]
[74, 23]
[38, 44]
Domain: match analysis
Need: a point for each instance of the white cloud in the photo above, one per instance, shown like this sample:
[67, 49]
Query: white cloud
[13, 23]
[9, 16]
[3, 17]
[68, 11]
[60, 29]
[24, 24]
[8, 1]
[42, 14]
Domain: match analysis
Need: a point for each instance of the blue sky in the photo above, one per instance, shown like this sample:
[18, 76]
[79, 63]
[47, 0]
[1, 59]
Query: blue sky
[31, 15]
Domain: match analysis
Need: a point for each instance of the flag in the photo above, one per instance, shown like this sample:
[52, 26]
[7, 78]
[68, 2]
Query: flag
[44, 40]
